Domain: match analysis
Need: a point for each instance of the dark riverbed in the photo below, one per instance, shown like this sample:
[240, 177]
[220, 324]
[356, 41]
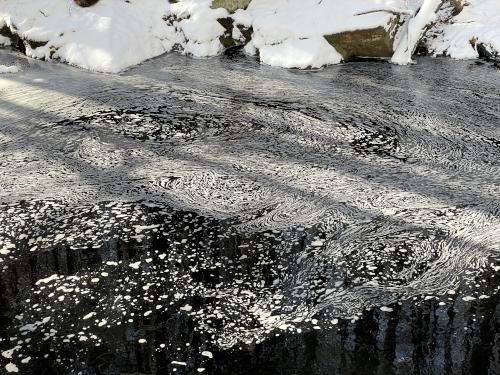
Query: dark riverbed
[223, 217]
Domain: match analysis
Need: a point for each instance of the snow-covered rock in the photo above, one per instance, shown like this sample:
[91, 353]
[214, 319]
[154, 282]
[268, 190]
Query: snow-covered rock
[478, 24]
[286, 31]
[109, 36]
[195, 26]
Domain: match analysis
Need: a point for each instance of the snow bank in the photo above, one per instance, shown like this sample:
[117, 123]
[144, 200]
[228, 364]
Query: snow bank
[478, 23]
[8, 69]
[108, 37]
[115, 34]
[313, 52]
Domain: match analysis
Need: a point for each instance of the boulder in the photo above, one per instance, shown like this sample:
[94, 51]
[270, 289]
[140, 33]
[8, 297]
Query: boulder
[457, 6]
[230, 5]
[374, 42]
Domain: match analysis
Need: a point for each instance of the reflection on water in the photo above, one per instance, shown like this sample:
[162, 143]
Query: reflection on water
[216, 216]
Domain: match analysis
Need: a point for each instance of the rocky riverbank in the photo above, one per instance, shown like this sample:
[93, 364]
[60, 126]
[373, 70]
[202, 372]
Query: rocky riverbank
[110, 36]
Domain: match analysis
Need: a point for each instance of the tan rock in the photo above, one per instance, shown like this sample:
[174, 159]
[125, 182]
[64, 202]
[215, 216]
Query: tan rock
[375, 42]
[230, 5]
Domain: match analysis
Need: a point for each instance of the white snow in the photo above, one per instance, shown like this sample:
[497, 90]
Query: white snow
[300, 53]
[115, 34]
[8, 69]
[279, 20]
[291, 34]
[108, 37]
[197, 28]
[413, 30]
[479, 21]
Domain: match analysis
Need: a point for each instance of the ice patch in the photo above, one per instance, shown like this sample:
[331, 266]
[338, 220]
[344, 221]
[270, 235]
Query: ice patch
[207, 354]
[47, 280]
[468, 298]
[10, 367]
[135, 265]
[8, 69]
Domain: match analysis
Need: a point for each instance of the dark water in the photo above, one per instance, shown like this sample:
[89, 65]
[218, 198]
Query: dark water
[222, 217]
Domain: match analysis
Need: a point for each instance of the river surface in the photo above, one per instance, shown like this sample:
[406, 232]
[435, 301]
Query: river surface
[224, 217]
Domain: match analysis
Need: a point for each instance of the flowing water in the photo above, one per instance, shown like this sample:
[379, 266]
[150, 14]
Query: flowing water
[224, 217]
